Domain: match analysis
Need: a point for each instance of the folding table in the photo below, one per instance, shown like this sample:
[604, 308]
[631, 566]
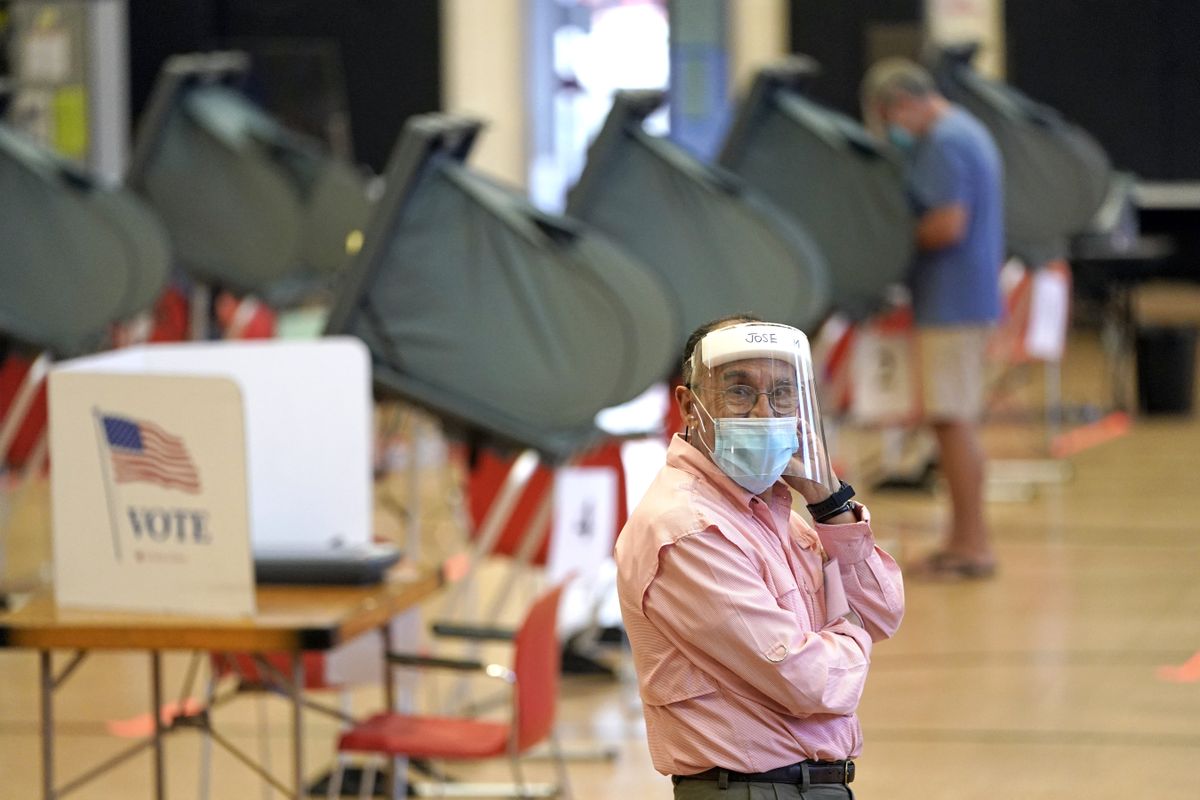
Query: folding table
[290, 619]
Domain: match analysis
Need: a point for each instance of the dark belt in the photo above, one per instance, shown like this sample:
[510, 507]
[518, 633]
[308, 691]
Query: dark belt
[840, 772]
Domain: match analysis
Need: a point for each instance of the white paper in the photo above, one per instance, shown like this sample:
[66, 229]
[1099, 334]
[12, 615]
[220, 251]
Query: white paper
[585, 518]
[47, 57]
[836, 605]
[1048, 306]
[883, 379]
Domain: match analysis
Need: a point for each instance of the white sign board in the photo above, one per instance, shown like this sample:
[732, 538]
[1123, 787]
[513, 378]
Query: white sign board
[581, 539]
[883, 377]
[308, 430]
[1049, 314]
[148, 485]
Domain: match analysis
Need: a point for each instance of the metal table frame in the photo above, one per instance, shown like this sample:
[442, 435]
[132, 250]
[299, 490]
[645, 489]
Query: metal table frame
[291, 620]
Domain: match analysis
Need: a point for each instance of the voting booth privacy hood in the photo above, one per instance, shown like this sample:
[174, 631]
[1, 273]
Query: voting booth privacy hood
[76, 255]
[827, 173]
[516, 325]
[1056, 176]
[720, 247]
[248, 203]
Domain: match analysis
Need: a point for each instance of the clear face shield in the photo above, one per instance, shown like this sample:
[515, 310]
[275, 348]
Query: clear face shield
[758, 415]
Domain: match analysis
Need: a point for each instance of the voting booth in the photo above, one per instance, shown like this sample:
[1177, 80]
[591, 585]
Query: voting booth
[513, 326]
[1056, 176]
[78, 253]
[828, 174]
[711, 237]
[172, 464]
[249, 204]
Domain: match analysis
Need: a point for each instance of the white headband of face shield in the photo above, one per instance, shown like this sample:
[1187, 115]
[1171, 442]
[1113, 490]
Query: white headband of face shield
[753, 340]
[753, 451]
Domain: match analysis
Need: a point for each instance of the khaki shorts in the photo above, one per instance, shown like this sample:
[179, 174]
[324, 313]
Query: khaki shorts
[952, 371]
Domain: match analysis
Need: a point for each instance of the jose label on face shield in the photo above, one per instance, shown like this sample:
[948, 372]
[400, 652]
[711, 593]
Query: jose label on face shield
[761, 338]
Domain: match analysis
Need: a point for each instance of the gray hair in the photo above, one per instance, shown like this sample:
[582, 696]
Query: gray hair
[705, 329]
[890, 76]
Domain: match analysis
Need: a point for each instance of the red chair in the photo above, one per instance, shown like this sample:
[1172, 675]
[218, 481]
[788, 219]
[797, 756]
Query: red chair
[534, 679]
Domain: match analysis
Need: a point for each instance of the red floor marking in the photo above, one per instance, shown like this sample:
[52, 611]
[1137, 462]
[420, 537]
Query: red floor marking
[1103, 430]
[456, 567]
[142, 725]
[1187, 672]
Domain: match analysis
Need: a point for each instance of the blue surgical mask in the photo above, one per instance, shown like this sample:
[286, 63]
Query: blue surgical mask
[754, 451]
[901, 138]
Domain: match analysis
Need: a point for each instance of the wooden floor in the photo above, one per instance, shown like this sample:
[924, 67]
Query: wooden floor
[1066, 676]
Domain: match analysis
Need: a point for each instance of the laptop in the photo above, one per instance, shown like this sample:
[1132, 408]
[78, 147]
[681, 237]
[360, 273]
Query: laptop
[354, 565]
[307, 415]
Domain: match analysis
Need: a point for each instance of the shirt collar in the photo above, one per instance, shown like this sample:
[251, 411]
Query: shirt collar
[684, 456]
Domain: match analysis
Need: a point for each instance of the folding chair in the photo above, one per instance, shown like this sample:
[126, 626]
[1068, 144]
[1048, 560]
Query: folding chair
[534, 680]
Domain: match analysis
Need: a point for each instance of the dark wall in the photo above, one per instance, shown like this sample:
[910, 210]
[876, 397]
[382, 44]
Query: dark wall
[390, 51]
[1128, 71]
[845, 36]
[159, 29]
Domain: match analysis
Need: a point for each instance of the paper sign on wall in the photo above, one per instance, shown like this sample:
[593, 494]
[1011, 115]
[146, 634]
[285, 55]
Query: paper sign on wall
[585, 517]
[883, 377]
[148, 486]
[1049, 308]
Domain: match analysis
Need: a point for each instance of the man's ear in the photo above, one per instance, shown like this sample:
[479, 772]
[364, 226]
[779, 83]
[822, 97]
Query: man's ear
[685, 400]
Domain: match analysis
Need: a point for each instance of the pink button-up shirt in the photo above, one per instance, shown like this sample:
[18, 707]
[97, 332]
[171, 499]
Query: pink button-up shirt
[723, 599]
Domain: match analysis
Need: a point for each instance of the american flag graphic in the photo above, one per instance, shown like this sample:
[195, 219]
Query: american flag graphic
[142, 451]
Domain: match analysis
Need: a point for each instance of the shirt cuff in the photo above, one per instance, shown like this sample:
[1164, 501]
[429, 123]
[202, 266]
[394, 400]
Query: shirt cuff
[859, 635]
[850, 542]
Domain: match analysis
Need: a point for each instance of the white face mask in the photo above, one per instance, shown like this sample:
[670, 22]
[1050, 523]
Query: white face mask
[754, 451]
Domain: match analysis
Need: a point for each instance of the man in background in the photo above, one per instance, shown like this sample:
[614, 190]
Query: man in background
[954, 184]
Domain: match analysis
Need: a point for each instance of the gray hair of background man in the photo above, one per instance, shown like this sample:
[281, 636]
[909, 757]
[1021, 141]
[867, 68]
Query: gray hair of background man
[887, 78]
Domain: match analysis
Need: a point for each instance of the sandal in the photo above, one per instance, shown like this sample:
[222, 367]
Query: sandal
[947, 566]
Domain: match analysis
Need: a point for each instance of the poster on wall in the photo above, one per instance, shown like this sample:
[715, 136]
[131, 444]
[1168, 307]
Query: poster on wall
[581, 539]
[953, 22]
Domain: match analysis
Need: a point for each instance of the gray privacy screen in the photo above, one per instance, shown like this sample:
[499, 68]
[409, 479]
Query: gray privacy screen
[827, 173]
[75, 256]
[248, 203]
[1055, 175]
[512, 323]
[719, 247]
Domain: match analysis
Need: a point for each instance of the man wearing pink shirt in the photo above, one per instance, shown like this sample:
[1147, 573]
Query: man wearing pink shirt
[751, 629]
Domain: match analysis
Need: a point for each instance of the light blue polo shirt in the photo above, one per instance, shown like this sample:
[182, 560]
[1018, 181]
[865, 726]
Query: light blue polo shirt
[957, 162]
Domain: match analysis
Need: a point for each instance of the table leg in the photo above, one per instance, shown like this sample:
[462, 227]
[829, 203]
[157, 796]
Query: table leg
[160, 782]
[389, 681]
[397, 777]
[46, 689]
[297, 723]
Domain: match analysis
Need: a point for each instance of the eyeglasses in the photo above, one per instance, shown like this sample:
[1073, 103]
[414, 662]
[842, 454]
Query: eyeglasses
[740, 398]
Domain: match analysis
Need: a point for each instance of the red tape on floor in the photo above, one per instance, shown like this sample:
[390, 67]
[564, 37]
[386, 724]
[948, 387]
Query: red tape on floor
[1187, 672]
[1113, 426]
[142, 725]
